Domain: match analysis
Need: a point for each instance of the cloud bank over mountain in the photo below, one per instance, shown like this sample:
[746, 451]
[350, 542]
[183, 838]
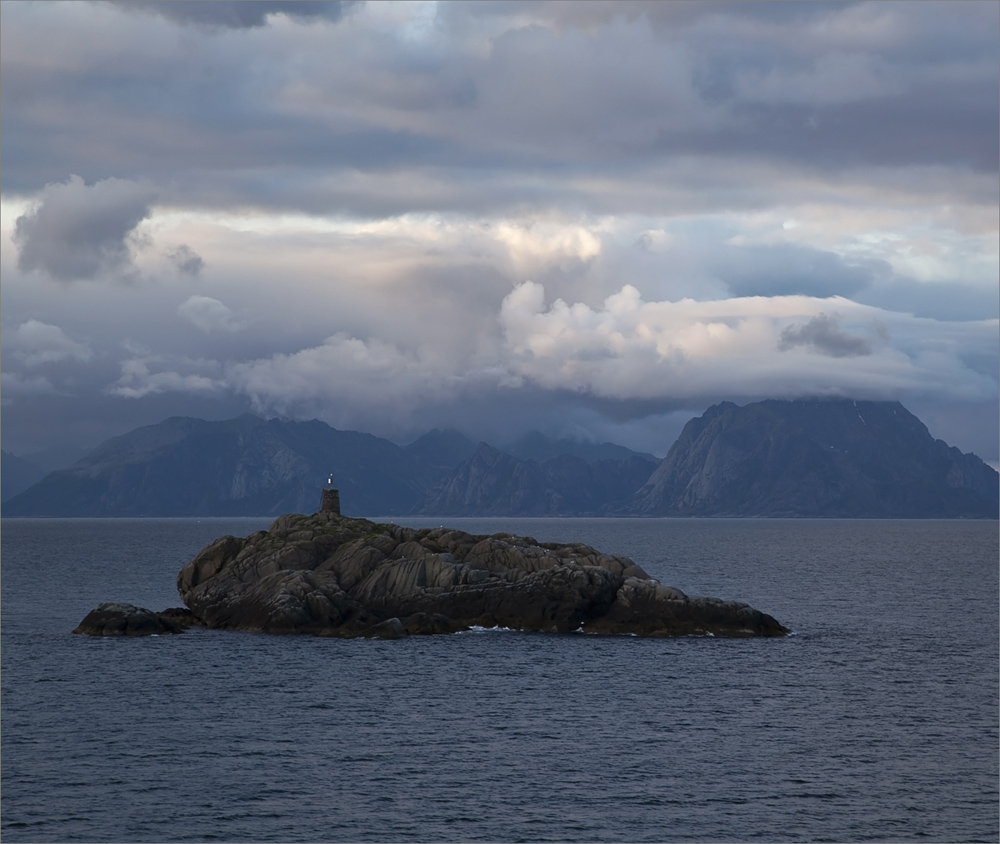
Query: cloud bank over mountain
[593, 219]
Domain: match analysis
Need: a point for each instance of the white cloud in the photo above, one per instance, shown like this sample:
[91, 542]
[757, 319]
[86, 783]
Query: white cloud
[625, 350]
[744, 347]
[371, 374]
[208, 314]
[137, 381]
[532, 245]
[35, 343]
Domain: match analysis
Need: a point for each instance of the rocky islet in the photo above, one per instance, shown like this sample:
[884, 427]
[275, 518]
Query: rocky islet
[330, 575]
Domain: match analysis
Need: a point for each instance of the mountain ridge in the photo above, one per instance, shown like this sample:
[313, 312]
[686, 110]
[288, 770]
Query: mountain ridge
[185, 466]
[829, 458]
[838, 458]
[495, 483]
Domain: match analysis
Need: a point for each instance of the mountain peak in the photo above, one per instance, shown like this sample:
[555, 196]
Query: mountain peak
[816, 457]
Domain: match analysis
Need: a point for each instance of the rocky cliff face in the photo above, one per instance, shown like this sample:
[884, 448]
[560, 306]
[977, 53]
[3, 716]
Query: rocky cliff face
[494, 483]
[328, 575]
[821, 458]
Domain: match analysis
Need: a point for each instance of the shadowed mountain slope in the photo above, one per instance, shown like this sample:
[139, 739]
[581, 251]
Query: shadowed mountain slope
[822, 458]
[536, 446]
[243, 466]
[494, 483]
[445, 449]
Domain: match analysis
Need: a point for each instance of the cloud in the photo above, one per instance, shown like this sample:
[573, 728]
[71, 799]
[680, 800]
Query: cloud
[137, 381]
[35, 343]
[648, 357]
[653, 240]
[786, 269]
[752, 168]
[208, 314]
[823, 334]
[186, 260]
[360, 116]
[630, 349]
[942, 300]
[80, 231]
[240, 14]
[374, 375]
[15, 384]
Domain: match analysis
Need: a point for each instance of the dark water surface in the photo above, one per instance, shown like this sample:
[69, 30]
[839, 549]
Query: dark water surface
[876, 721]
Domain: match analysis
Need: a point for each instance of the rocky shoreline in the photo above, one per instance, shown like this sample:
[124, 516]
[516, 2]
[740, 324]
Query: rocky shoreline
[330, 575]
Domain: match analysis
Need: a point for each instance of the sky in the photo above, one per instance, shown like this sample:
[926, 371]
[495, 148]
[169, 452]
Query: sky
[590, 219]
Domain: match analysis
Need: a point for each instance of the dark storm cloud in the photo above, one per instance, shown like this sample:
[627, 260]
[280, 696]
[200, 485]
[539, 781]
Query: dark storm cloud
[787, 269]
[933, 125]
[80, 231]
[841, 86]
[238, 14]
[824, 334]
[186, 260]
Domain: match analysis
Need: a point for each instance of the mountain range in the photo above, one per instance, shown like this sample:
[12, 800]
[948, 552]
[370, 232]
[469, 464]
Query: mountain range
[803, 458]
[249, 466]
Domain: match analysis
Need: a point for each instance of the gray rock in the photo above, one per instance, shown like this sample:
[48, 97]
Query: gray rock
[110, 619]
[389, 629]
[335, 576]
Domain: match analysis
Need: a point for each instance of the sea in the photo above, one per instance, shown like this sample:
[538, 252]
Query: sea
[876, 720]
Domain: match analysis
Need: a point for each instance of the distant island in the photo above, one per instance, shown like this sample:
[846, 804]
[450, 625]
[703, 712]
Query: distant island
[328, 575]
[808, 458]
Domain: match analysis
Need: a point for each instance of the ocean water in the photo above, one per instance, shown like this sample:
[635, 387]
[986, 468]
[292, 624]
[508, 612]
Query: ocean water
[876, 721]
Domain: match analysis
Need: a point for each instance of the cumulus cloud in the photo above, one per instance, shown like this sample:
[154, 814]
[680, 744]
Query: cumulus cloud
[34, 343]
[138, 381]
[208, 314]
[824, 335]
[80, 231]
[631, 349]
[533, 244]
[186, 260]
[372, 374]
[646, 356]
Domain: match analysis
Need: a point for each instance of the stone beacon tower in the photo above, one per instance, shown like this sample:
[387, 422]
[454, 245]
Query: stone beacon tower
[330, 501]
